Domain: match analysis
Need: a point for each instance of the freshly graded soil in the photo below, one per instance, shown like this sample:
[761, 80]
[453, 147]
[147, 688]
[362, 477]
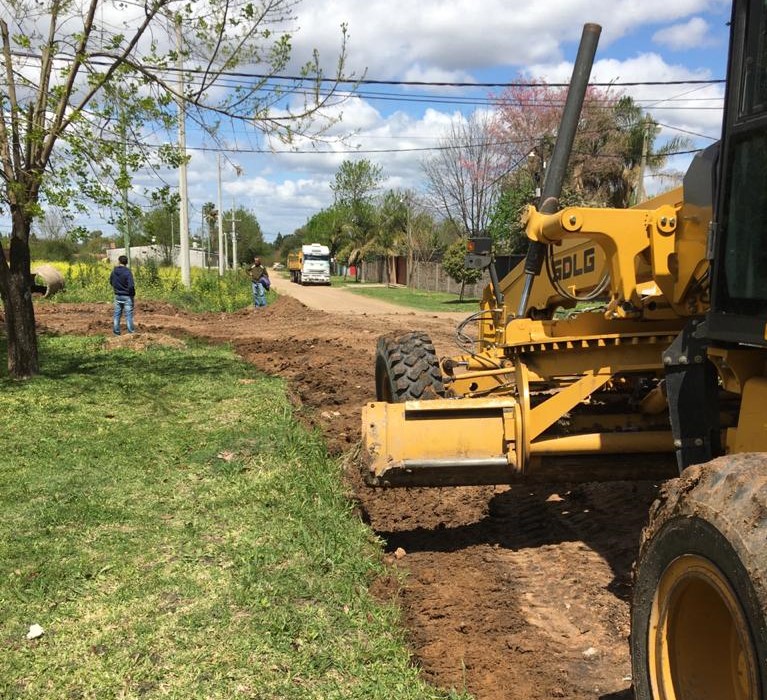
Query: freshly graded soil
[511, 593]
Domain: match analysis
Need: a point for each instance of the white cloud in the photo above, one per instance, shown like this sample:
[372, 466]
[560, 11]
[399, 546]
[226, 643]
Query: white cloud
[298, 184]
[679, 37]
[389, 37]
[435, 74]
[460, 41]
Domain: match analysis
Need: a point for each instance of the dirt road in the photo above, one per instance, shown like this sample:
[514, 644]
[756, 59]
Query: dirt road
[512, 593]
[333, 299]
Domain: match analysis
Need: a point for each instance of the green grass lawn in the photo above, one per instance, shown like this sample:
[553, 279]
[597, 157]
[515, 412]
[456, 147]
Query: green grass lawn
[414, 298]
[178, 535]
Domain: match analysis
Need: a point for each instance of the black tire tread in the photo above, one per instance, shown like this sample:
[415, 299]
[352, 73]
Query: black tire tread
[729, 492]
[729, 496]
[409, 365]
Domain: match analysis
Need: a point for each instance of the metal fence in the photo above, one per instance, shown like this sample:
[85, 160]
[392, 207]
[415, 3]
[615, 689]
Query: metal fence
[429, 276]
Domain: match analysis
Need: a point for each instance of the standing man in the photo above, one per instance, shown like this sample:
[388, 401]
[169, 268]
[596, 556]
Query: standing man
[259, 278]
[124, 287]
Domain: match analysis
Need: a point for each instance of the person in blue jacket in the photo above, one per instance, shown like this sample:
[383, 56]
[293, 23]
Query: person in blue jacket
[124, 287]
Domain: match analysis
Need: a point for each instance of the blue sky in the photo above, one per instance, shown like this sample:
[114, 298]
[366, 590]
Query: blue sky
[464, 41]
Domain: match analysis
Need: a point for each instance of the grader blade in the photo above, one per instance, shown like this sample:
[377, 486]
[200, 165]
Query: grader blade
[440, 442]
[472, 442]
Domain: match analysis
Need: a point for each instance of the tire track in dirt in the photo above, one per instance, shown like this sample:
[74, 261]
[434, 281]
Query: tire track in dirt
[512, 593]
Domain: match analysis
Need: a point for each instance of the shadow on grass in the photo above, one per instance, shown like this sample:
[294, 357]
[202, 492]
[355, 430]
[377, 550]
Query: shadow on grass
[465, 302]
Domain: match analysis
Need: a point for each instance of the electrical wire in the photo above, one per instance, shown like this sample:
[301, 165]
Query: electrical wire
[351, 80]
[466, 342]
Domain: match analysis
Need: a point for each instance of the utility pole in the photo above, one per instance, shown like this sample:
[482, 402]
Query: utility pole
[221, 258]
[186, 277]
[226, 253]
[234, 239]
[206, 232]
[641, 195]
[238, 171]
[124, 185]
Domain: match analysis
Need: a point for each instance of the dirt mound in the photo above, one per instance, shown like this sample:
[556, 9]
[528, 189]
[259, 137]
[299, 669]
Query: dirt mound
[142, 341]
[513, 593]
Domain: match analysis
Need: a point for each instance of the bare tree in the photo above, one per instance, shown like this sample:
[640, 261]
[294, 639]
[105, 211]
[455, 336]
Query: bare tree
[421, 238]
[463, 178]
[53, 224]
[86, 87]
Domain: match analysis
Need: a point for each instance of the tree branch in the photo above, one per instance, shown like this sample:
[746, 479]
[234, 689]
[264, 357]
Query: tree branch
[12, 162]
[60, 122]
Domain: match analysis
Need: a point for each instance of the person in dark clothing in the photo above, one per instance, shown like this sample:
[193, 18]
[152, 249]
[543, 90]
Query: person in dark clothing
[257, 272]
[124, 287]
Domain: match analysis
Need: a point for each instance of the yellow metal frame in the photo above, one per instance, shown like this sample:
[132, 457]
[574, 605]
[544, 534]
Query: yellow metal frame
[502, 434]
[517, 400]
[661, 245]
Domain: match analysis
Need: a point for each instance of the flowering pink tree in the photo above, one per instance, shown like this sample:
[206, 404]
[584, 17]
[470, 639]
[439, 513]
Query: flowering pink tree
[528, 118]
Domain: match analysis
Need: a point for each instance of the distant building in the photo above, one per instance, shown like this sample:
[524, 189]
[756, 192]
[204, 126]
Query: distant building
[158, 253]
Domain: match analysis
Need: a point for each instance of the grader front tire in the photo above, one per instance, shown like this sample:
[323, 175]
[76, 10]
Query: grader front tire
[407, 368]
[700, 593]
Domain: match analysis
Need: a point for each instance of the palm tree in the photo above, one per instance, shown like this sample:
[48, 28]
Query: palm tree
[210, 217]
[391, 229]
[639, 153]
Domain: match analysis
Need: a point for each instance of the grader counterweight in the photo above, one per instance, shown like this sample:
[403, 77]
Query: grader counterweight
[665, 375]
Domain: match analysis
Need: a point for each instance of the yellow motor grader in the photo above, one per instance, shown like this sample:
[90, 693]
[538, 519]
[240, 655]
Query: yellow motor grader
[631, 344]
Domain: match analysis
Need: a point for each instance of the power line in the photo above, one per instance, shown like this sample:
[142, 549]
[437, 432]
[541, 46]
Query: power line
[355, 151]
[229, 79]
[458, 84]
[494, 101]
[686, 131]
[371, 81]
[228, 76]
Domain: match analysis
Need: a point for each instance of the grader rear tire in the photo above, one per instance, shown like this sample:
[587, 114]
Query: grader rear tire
[407, 368]
[698, 628]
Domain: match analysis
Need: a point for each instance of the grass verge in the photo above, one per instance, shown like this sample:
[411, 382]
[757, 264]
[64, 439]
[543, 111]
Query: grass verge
[178, 535]
[416, 298]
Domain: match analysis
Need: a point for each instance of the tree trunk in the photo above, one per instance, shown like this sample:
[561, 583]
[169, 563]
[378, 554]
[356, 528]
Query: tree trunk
[391, 269]
[16, 293]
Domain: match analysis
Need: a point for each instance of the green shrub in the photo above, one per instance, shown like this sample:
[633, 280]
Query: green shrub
[89, 281]
[53, 249]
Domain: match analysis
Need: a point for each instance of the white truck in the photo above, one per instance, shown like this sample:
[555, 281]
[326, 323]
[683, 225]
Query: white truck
[311, 265]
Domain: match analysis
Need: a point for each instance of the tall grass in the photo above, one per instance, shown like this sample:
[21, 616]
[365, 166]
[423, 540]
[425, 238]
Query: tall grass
[177, 535]
[89, 282]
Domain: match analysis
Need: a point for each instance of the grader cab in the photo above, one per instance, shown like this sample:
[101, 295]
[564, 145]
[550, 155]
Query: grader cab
[631, 344]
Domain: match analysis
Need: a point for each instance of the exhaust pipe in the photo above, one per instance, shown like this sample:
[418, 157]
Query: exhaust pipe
[555, 173]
